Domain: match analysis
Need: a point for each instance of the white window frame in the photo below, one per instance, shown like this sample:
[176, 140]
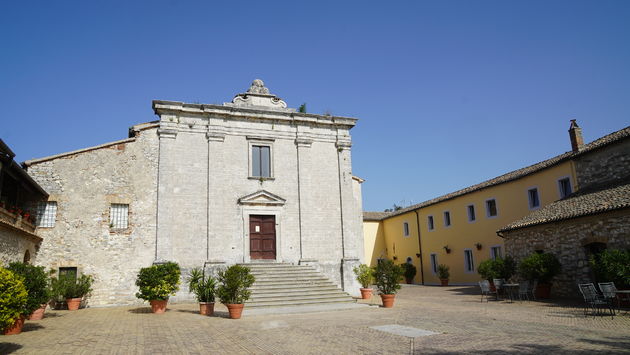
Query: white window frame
[261, 142]
[472, 261]
[474, 213]
[496, 207]
[529, 197]
[406, 229]
[492, 255]
[560, 185]
[46, 214]
[114, 224]
[430, 223]
[450, 220]
[434, 263]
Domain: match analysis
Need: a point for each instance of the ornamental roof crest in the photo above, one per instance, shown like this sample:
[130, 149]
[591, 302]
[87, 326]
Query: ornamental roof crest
[258, 96]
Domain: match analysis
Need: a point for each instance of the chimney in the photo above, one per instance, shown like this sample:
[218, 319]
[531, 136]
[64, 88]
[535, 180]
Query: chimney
[575, 133]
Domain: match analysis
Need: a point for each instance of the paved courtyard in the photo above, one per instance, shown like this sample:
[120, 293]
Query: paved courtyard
[462, 324]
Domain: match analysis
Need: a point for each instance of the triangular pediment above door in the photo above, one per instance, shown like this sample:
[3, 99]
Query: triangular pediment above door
[262, 197]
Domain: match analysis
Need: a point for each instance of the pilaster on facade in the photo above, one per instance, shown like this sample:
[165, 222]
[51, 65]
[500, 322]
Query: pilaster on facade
[168, 133]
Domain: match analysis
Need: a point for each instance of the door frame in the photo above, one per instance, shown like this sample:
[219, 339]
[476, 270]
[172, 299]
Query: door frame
[261, 210]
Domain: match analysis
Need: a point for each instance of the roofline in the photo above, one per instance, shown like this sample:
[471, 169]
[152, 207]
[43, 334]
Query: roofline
[178, 107]
[79, 151]
[360, 180]
[594, 145]
[552, 220]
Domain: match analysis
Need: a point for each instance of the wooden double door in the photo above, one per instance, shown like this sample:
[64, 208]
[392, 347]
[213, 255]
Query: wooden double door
[262, 237]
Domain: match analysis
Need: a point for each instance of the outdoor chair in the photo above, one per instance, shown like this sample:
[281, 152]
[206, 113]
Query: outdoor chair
[609, 292]
[498, 285]
[485, 289]
[593, 300]
[523, 290]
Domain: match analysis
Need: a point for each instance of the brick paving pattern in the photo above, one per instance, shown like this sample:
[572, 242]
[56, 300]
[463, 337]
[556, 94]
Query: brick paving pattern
[464, 324]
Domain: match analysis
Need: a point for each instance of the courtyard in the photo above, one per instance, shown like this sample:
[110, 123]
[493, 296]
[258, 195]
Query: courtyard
[463, 325]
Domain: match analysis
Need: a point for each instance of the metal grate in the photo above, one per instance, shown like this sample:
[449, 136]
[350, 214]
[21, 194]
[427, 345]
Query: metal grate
[118, 216]
[46, 214]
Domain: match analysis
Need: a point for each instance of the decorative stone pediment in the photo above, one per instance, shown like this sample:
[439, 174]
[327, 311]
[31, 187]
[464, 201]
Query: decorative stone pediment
[258, 96]
[262, 198]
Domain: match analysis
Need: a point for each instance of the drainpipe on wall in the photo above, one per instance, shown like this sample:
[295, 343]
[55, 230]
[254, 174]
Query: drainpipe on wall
[420, 247]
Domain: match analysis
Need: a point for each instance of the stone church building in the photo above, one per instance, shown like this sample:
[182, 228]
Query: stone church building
[248, 181]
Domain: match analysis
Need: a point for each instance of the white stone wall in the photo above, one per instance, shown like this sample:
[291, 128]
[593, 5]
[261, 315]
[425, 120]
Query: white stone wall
[84, 185]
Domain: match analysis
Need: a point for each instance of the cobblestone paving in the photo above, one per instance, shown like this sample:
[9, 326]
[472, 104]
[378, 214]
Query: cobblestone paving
[465, 326]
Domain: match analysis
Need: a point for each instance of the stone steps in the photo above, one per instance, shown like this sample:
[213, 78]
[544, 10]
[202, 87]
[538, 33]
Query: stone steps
[279, 285]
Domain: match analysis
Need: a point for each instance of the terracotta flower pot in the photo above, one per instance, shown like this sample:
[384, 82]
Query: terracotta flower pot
[444, 282]
[409, 281]
[158, 306]
[16, 327]
[543, 291]
[366, 293]
[206, 308]
[73, 303]
[235, 310]
[38, 314]
[388, 300]
[492, 287]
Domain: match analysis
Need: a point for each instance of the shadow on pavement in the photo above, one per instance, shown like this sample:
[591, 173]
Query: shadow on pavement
[8, 348]
[29, 327]
[142, 310]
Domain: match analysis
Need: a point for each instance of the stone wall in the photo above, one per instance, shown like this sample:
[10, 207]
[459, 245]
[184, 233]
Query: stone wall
[566, 240]
[603, 165]
[85, 185]
[17, 237]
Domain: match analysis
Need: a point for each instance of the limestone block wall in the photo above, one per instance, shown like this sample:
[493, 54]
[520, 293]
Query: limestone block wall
[85, 185]
[607, 164]
[566, 240]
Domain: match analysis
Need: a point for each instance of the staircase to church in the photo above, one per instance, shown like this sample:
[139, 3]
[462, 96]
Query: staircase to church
[292, 285]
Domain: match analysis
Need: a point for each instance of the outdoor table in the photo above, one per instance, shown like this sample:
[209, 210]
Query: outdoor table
[510, 288]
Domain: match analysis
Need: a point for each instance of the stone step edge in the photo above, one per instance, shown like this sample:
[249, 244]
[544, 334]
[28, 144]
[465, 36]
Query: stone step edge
[296, 303]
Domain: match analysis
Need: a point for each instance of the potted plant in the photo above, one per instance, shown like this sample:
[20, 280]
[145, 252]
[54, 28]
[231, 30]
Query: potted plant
[233, 290]
[158, 282]
[499, 268]
[542, 267]
[36, 283]
[365, 275]
[409, 271]
[13, 300]
[478, 246]
[204, 288]
[73, 289]
[612, 266]
[444, 274]
[387, 277]
[447, 249]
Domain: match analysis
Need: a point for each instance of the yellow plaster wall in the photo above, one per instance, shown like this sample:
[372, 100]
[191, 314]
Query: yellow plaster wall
[512, 204]
[373, 242]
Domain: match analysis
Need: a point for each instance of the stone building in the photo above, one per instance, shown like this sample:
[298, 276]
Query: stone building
[207, 185]
[19, 199]
[595, 217]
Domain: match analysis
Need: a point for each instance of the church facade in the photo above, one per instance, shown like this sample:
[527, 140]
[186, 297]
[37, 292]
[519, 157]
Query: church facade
[248, 181]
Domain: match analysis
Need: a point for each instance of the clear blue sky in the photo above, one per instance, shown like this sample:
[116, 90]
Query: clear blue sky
[448, 93]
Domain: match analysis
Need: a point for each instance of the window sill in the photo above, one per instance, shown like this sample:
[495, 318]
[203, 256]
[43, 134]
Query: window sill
[260, 178]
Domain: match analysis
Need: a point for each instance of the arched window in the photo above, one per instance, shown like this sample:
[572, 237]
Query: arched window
[27, 257]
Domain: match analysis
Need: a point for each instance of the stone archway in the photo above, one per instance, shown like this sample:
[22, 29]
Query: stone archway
[27, 257]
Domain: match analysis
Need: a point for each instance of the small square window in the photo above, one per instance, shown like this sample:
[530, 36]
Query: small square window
[491, 208]
[471, 213]
[534, 200]
[119, 216]
[564, 185]
[447, 218]
[46, 214]
[430, 223]
[406, 229]
[70, 272]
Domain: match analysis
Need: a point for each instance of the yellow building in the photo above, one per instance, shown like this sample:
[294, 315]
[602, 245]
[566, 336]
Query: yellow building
[459, 229]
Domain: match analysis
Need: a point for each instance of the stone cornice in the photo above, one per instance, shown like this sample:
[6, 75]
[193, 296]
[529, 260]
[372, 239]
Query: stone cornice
[228, 112]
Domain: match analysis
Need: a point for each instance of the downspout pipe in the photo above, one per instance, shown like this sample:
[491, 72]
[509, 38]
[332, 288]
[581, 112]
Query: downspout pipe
[420, 247]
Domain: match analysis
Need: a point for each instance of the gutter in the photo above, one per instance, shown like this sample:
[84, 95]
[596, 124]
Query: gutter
[420, 247]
